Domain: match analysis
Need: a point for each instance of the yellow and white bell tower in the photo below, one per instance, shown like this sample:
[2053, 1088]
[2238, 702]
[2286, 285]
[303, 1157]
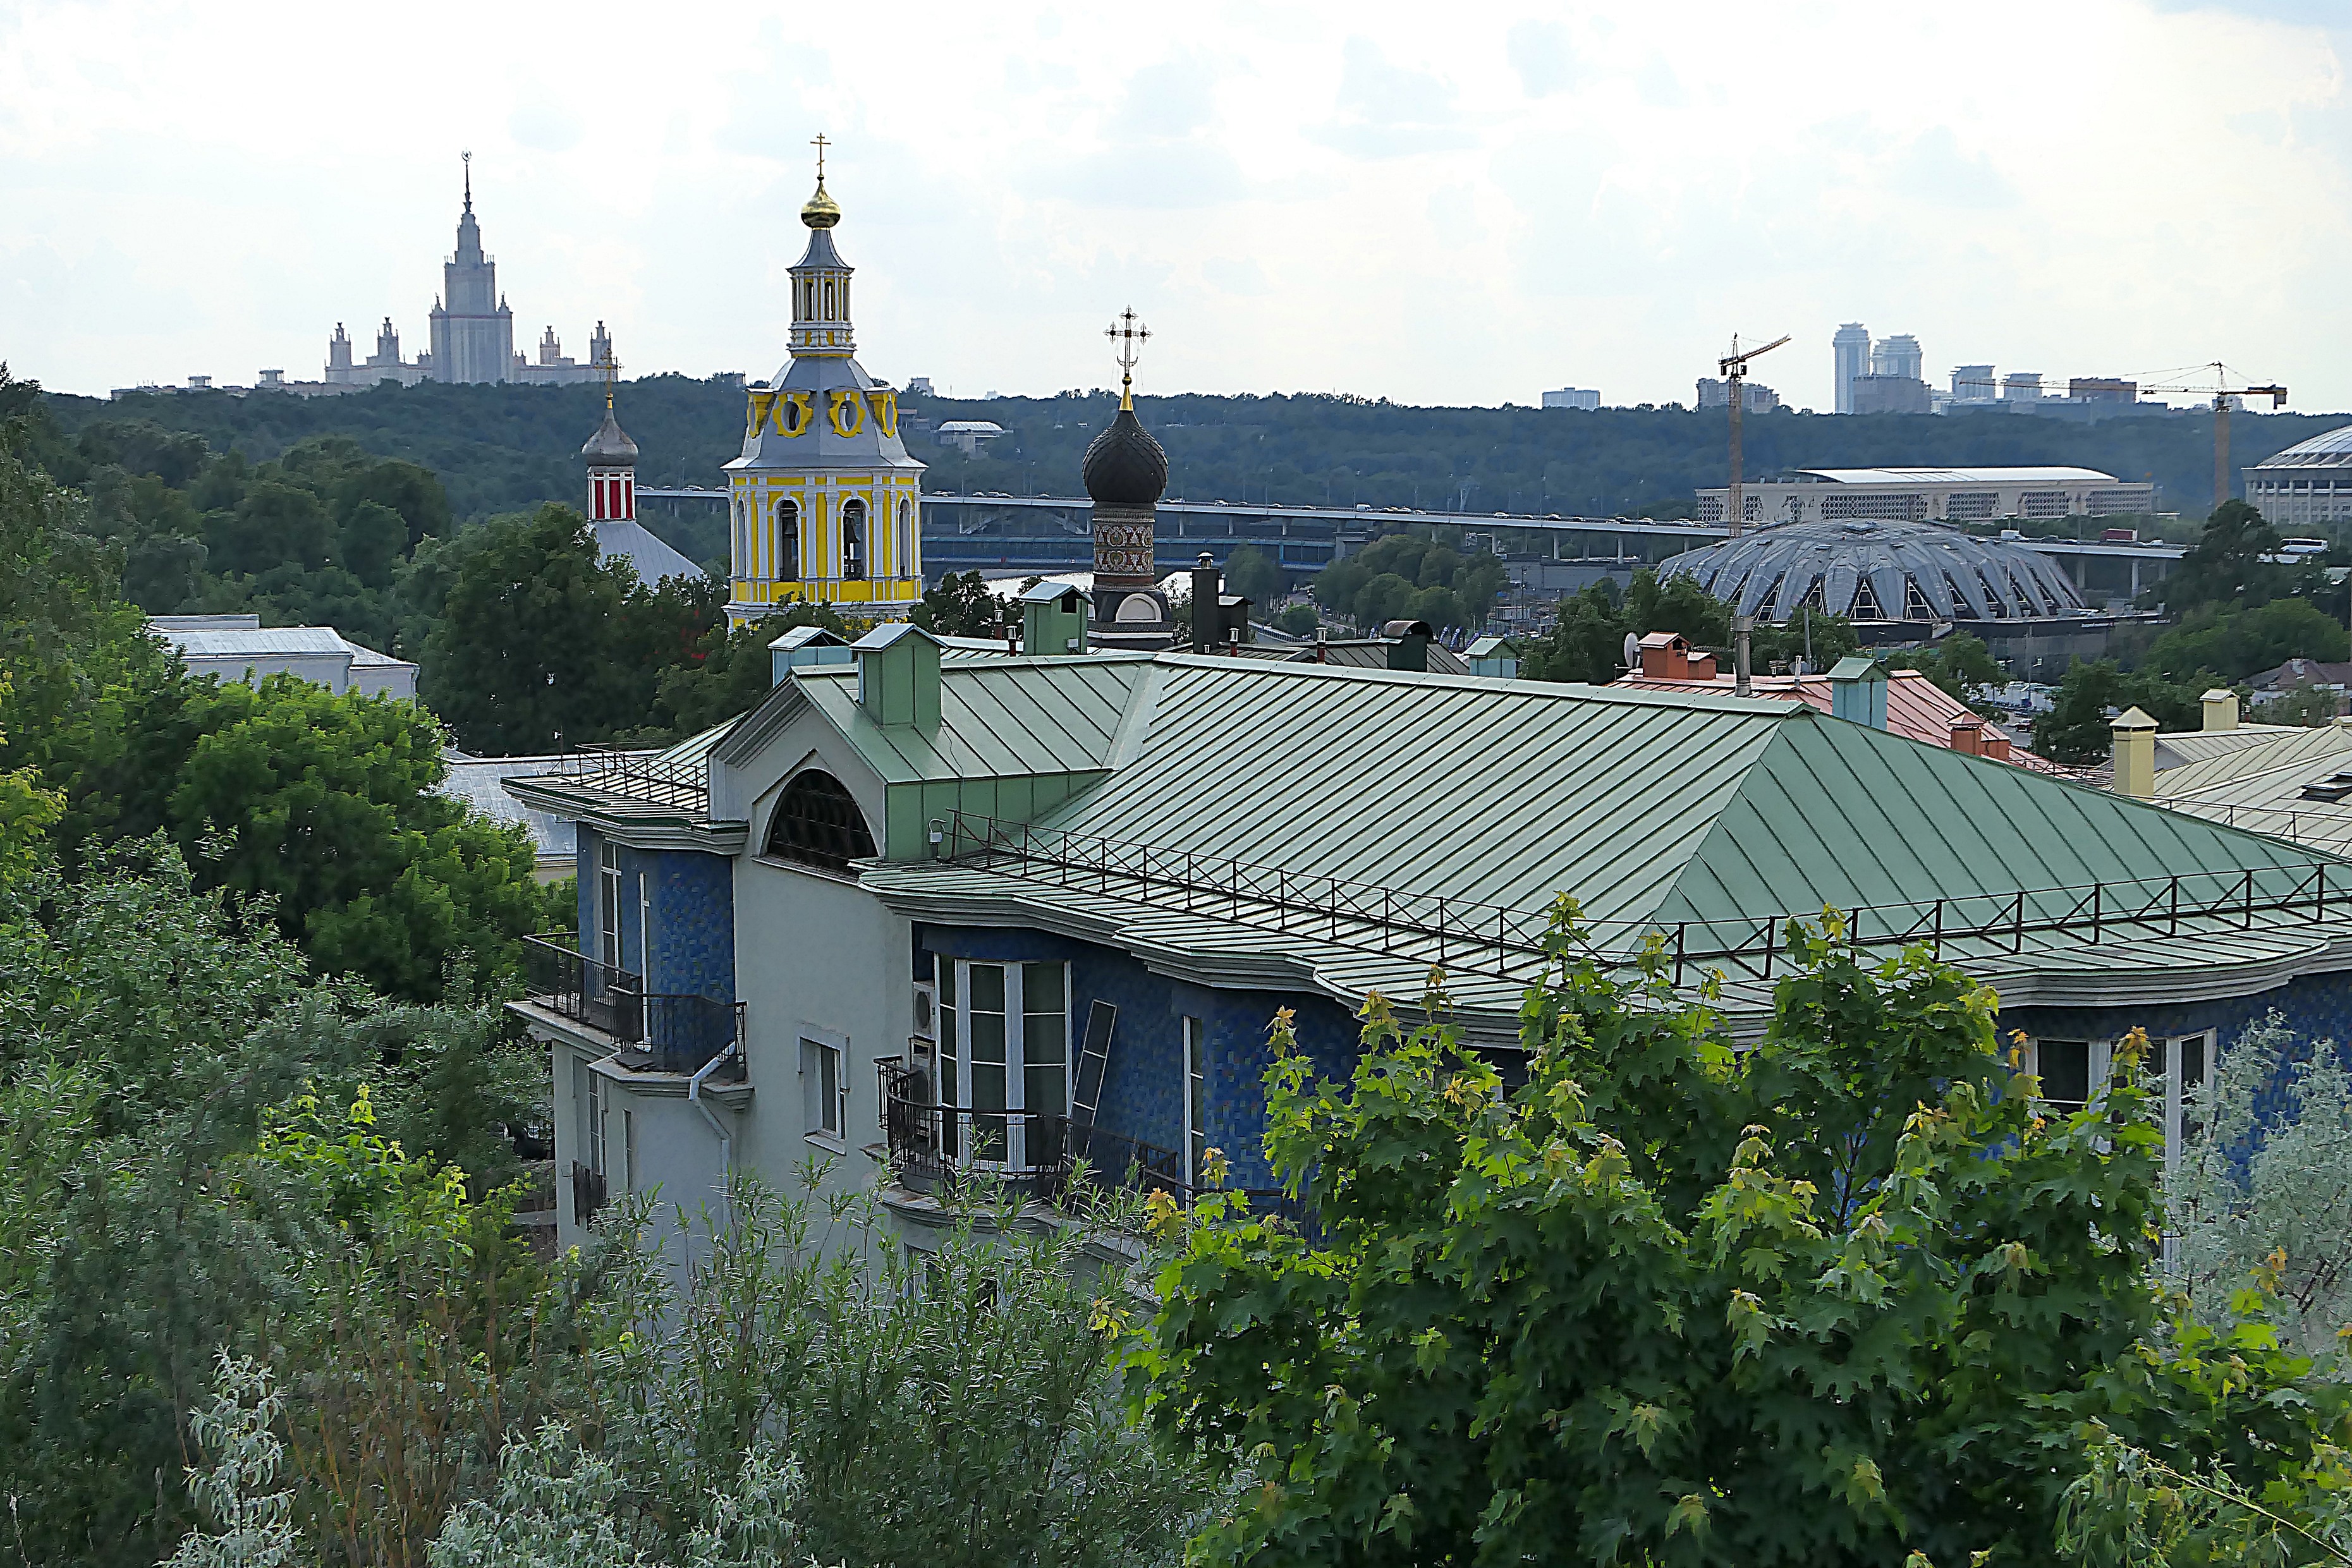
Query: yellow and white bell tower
[824, 504]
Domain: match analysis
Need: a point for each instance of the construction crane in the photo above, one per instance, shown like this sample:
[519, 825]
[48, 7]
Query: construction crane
[2221, 391]
[1734, 372]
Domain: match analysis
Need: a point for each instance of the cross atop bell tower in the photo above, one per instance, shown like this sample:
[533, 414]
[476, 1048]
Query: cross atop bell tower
[1129, 335]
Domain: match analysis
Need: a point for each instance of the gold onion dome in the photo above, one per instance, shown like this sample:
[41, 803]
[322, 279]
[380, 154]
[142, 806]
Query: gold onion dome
[822, 212]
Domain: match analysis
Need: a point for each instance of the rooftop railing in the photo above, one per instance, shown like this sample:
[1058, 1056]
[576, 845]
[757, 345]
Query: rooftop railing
[655, 1031]
[1468, 937]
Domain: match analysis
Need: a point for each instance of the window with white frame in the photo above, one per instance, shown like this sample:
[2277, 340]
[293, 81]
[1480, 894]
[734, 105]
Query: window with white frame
[2073, 1070]
[1004, 1060]
[593, 1119]
[608, 907]
[1196, 1100]
[2180, 1062]
[2068, 1068]
[825, 1091]
[628, 1150]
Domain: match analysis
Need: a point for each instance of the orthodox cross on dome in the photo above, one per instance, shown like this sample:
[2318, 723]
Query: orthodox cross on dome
[1129, 335]
[820, 145]
[612, 369]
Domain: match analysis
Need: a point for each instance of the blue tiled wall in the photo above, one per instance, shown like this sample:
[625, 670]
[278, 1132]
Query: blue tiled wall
[2316, 1007]
[1143, 1092]
[693, 903]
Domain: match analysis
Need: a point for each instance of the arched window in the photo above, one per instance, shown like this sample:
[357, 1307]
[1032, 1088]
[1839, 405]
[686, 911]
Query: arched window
[788, 539]
[828, 300]
[902, 560]
[816, 823]
[853, 537]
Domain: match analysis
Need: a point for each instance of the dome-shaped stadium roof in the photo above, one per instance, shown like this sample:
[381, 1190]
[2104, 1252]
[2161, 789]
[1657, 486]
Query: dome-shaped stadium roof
[2332, 450]
[1879, 571]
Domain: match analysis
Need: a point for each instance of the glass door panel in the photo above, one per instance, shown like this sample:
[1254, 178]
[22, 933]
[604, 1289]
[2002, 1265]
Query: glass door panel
[1044, 1060]
[948, 1092]
[985, 1041]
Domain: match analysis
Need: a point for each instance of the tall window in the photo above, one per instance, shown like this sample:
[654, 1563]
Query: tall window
[824, 1092]
[2181, 1060]
[853, 537]
[608, 909]
[787, 565]
[1005, 1047]
[2064, 1069]
[902, 554]
[1196, 1098]
[817, 823]
[590, 1095]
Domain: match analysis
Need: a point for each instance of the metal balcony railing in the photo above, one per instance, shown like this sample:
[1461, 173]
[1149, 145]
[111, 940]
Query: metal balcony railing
[1035, 1154]
[655, 1031]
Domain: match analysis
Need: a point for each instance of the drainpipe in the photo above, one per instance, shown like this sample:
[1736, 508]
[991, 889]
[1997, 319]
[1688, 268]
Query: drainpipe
[725, 1140]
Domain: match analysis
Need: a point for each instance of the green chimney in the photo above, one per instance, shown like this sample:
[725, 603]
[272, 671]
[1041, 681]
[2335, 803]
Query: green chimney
[898, 675]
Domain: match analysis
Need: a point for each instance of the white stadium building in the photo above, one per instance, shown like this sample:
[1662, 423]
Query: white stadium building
[1933, 495]
[2310, 482]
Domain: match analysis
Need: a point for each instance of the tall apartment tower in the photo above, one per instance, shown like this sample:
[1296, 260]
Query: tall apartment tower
[1850, 360]
[473, 330]
[1896, 356]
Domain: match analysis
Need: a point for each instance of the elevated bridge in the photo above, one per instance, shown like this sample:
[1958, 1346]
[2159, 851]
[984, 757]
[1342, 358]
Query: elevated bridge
[993, 533]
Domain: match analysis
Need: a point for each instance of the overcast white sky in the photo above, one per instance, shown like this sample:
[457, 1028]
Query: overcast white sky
[1436, 203]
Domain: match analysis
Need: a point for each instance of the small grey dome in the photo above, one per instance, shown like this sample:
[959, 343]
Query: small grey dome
[1124, 466]
[611, 447]
[1879, 571]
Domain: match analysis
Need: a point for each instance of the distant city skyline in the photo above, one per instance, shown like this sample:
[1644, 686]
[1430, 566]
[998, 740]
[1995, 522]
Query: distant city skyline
[1300, 198]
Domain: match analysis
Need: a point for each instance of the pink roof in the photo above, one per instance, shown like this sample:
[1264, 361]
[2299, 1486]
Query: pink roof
[1916, 706]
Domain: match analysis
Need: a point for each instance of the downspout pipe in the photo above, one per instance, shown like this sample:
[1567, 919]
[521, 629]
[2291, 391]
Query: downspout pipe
[725, 1140]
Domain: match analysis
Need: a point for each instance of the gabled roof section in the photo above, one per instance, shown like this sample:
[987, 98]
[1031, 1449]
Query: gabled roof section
[1841, 813]
[998, 718]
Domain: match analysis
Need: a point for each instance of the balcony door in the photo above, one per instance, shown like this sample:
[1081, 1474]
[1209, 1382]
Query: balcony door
[1004, 1062]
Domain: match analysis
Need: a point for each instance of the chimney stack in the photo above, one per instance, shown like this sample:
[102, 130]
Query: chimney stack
[1208, 590]
[1968, 736]
[2221, 708]
[2134, 735]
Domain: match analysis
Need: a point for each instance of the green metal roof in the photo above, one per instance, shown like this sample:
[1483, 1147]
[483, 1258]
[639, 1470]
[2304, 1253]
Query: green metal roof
[998, 717]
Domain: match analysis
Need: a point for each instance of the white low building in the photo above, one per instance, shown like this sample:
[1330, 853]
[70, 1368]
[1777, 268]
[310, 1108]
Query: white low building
[1930, 495]
[240, 648]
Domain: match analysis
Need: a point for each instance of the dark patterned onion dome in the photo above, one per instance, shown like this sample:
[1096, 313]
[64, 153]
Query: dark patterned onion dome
[1879, 571]
[1124, 466]
[611, 447]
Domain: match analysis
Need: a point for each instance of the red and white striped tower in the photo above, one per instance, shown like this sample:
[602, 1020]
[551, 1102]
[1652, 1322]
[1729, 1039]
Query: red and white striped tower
[612, 462]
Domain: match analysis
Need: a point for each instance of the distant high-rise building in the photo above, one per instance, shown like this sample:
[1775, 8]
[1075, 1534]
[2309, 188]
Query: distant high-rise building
[1891, 394]
[1756, 397]
[1573, 397]
[1850, 361]
[471, 328]
[2102, 388]
[1896, 356]
[1973, 383]
[2021, 386]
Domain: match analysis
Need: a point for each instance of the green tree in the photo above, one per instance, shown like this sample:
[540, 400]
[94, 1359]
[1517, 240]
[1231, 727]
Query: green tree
[276, 524]
[1832, 1298]
[522, 660]
[2229, 562]
[2075, 729]
[731, 672]
[326, 804]
[2236, 641]
[1960, 664]
[962, 606]
[1255, 575]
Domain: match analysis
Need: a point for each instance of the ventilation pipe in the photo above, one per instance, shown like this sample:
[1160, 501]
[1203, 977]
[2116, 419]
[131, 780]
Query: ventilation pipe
[2134, 735]
[2221, 708]
[725, 1140]
[1408, 644]
[1208, 593]
[1858, 690]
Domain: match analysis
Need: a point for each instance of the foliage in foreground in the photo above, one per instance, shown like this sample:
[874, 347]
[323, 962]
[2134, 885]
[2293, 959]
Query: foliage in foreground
[1837, 1298]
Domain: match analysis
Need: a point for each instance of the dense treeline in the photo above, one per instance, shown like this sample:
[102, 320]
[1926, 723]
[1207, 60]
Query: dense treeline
[507, 448]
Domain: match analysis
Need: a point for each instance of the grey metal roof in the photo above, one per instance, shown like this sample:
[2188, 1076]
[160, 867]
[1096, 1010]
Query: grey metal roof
[642, 548]
[2329, 450]
[1771, 572]
[2028, 476]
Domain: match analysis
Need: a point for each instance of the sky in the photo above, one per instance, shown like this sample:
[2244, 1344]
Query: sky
[1458, 204]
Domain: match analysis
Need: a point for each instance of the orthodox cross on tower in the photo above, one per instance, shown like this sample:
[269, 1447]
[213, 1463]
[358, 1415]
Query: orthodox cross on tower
[1128, 334]
[820, 145]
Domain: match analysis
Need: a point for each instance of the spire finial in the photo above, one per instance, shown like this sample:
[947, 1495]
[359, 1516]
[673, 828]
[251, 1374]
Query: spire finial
[822, 212]
[469, 156]
[612, 369]
[1129, 335]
